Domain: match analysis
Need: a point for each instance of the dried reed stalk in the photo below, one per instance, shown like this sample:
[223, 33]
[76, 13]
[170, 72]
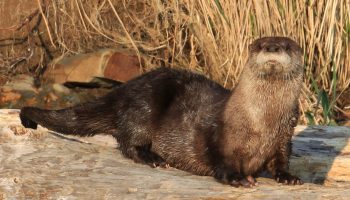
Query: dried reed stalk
[212, 36]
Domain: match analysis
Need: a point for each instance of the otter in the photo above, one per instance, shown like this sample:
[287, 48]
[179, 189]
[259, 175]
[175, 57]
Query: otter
[183, 119]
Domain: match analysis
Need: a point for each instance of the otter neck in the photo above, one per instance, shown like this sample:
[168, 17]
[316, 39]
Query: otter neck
[264, 103]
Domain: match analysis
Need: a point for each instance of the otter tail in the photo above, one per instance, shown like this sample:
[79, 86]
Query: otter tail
[82, 120]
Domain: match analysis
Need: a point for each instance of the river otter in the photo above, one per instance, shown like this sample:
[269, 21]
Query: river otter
[180, 118]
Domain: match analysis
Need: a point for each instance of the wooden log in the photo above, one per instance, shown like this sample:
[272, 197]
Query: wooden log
[42, 165]
[321, 154]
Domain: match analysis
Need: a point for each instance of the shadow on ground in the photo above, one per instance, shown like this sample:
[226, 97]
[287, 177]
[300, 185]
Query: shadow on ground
[321, 154]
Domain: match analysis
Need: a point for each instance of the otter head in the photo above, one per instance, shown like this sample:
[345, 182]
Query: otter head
[275, 58]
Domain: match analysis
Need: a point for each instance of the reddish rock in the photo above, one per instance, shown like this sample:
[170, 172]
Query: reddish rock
[9, 97]
[122, 67]
[5, 89]
[346, 116]
[84, 67]
[79, 68]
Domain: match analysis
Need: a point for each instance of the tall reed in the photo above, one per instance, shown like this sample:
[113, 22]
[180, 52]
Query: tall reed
[212, 36]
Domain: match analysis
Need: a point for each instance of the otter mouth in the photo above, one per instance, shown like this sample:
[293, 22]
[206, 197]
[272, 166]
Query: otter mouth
[272, 67]
[272, 62]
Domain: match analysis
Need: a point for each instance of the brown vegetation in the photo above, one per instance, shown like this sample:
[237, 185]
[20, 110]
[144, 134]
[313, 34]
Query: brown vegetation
[206, 36]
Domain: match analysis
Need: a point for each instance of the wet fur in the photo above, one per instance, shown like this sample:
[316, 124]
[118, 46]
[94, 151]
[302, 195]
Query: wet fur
[180, 118]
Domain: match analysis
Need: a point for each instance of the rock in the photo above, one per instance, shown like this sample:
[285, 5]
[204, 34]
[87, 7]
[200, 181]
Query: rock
[6, 89]
[21, 83]
[18, 89]
[121, 67]
[106, 63]
[39, 164]
[60, 88]
[7, 97]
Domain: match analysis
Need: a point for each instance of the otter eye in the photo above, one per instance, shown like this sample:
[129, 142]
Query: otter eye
[287, 47]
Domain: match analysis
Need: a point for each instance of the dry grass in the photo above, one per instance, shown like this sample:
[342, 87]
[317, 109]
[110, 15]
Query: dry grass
[212, 36]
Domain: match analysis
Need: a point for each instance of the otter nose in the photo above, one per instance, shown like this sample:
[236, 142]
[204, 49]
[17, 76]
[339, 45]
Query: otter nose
[272, 48]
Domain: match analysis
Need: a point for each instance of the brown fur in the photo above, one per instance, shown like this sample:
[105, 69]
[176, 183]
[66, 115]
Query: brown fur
[183, 119]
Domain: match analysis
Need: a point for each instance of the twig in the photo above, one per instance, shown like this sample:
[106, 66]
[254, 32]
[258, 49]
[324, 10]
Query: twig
[24, 22]
[19, 41]
[93, 26]
[126, 31]
[146, 48]
[46, 23]
[14, 63]
[81, 16]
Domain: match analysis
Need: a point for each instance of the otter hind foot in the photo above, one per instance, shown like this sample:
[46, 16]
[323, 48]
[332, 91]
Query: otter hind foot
[246, 182]
[234, 179]
[143, 154]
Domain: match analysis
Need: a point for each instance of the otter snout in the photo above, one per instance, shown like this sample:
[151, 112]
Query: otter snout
[273, 61]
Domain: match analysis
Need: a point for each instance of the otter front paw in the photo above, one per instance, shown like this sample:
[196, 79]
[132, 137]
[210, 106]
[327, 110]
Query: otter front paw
[287, 179]
[159, 163]
[235, 180]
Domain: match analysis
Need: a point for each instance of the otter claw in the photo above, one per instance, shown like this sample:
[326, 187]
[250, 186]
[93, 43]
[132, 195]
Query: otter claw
[246, 182]
[287, 179]
[160, 164]
[236, 180]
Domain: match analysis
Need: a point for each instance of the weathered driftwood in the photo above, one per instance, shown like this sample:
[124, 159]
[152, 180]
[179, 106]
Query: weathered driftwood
[42, 165]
